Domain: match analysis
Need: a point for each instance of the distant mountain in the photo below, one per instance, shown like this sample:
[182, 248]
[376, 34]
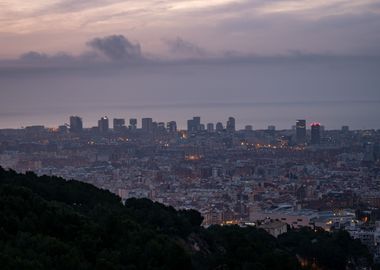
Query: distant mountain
[51, 223]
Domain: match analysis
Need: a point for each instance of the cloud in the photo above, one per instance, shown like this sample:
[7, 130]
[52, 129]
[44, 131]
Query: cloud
[252, 26]
[34, 59]
[117, 48]
[116, 51]
[37, 57]
[103, 51]
[184, 48]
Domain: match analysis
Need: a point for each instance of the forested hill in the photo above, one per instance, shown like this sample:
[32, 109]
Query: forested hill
[51, 223]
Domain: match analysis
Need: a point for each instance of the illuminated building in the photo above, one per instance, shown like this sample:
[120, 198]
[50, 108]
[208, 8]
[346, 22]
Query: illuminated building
[76, 124]
[315, 133]
[274, 227]
[103, 125]
[301, 131]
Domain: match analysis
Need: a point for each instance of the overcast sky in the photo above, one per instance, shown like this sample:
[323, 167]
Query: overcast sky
[213, 26]
[62, 55]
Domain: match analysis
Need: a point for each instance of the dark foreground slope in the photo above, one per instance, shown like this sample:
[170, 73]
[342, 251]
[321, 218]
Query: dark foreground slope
[50, 223]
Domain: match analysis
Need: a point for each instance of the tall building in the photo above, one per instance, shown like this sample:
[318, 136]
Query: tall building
[76, 124]
[197, 122]
[315, 133]
[271, 130]
[248, 128]
[63, 129]
[219, 127]
[103, 124]
[190, 125]
[301, 131]
[154, 127]
[210, 127]
[147, 124]
[171, 126]
[194, 124]
[369, 152]
[118, 124]
[161, 127]
[345, 129]
[133, 123]
[230, 124]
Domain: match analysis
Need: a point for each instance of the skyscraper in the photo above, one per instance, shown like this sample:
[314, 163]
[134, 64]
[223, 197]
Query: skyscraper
[147, 124]
[194, 124]
[197, 122]
[76, 124]
[103, 124]
[171, 126]
[219, 127]
[118, 124]
[315, 133]
[161, 127]
[230, 124]
[301, 131]
[271, 130]
[133, 123]
[345, 129]
[190, 125]
[210, 127]
[248, 128]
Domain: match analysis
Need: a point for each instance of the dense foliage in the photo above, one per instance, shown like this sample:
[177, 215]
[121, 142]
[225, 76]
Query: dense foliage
[51, 223]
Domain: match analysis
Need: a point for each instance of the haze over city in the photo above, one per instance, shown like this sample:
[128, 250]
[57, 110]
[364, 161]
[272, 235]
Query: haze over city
[190, 134]
[264, 62]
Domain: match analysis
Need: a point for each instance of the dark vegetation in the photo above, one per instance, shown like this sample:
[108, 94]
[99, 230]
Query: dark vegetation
[51, 223]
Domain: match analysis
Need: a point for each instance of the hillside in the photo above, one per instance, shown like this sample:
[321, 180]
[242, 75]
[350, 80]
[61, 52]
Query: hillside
[51, 223]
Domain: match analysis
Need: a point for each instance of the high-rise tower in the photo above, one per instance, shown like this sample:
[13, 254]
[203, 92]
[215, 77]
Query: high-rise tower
[301, 131]
[103, 124]
[76, 124]
[315, 133]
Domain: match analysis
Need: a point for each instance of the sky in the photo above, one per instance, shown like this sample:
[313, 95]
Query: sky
[263, 61]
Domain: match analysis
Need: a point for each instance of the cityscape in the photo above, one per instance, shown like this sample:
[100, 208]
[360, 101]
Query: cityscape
[303, 176]
[190, 135]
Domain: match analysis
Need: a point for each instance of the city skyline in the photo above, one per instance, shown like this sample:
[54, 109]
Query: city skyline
[190, 134]
[266, 62]
[77, 123]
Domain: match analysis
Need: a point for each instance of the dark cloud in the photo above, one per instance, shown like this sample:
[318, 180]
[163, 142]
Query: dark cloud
[117, 48]
[117, 51]
[37, 57]
[33, 56]
[104, 52]
[183, 47]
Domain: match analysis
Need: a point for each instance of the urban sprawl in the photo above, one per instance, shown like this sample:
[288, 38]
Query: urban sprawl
[274, 179]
